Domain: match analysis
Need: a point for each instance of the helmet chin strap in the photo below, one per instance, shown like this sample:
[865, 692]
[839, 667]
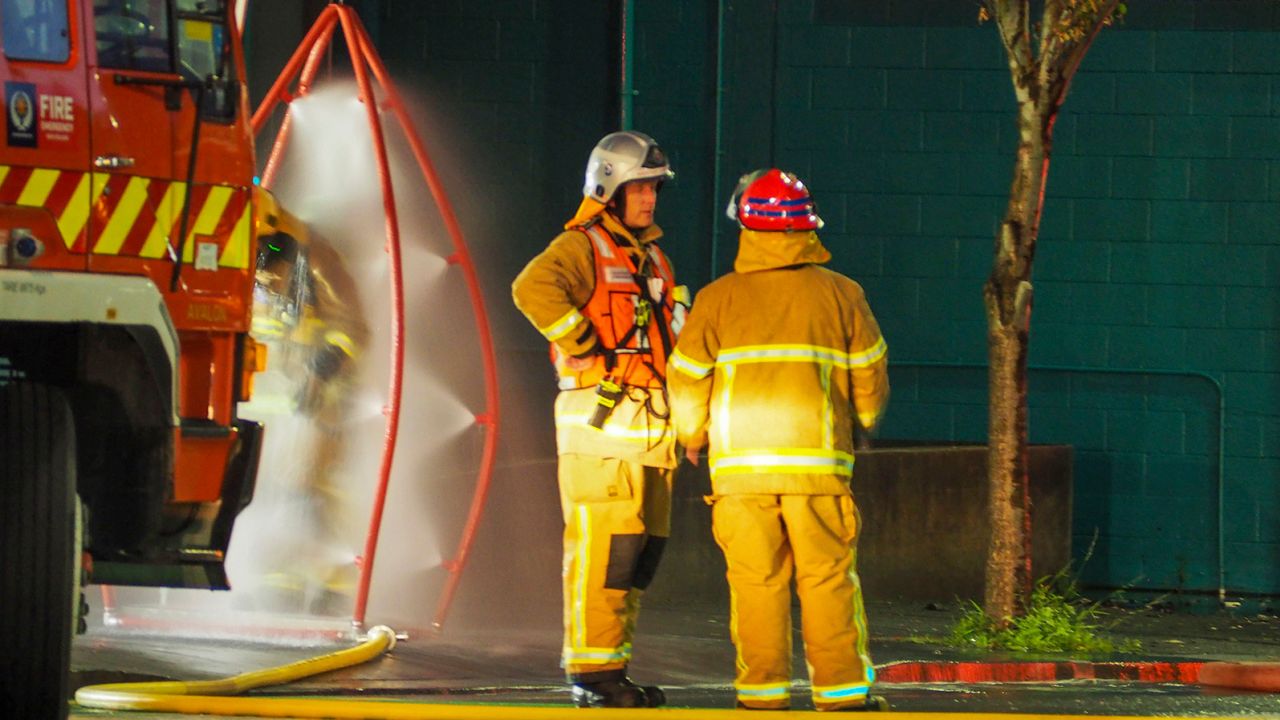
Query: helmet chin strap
[618, 203]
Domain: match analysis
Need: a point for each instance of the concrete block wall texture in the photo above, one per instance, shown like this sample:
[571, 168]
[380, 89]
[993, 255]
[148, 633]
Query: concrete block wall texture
[1158, 249]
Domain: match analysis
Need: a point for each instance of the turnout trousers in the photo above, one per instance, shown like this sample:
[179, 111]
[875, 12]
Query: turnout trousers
[766, 540]
[617, 518]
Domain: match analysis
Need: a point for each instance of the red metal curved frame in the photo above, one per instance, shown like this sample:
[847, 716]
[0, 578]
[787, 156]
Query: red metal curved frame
[303, 65]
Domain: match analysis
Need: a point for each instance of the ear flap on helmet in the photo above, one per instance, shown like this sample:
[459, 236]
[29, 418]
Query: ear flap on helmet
[731, 210]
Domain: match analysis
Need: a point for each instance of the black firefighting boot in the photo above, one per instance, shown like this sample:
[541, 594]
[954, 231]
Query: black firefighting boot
[617, 691]
[874, 703]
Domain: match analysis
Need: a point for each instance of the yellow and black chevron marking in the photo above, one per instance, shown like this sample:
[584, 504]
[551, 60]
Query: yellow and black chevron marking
[133, 216]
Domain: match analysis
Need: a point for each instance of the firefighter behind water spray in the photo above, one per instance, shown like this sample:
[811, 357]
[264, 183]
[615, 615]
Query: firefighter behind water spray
[604, 295]
[307, 313]
[780, 364]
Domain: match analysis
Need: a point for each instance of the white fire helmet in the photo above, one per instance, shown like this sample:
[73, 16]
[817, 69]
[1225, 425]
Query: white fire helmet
[620, 158]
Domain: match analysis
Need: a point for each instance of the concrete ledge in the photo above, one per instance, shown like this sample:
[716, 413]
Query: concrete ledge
[925, 529]
[1259, 676]
[925, 522]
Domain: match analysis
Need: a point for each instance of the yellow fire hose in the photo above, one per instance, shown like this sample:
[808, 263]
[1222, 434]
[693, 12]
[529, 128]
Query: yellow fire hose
[212, 697]
[205, 696]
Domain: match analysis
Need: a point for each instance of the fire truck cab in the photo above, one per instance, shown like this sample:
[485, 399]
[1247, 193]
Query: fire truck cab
[127, 246]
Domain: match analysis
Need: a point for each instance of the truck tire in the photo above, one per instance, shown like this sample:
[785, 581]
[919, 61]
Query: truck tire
[39, 562]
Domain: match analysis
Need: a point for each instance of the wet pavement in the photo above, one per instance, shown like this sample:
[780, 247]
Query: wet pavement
[687, 651]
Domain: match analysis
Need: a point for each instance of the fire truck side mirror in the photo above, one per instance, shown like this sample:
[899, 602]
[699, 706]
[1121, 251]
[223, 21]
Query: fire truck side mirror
[221, 96]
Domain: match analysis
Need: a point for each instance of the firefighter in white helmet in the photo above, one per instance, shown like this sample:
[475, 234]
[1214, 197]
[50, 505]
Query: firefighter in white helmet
[604, 295]
[780, 364]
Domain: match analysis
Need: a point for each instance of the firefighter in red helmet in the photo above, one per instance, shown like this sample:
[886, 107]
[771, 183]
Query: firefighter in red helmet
[604, 295]
[776, 389]
[302, 525]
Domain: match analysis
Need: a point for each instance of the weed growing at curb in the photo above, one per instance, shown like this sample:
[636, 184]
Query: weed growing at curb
[1057, 619]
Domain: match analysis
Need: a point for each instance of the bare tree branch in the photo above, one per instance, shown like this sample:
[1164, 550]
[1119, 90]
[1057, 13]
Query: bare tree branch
[1015, 32]
[1075, 54]
[1050, 38]
[1069, 28]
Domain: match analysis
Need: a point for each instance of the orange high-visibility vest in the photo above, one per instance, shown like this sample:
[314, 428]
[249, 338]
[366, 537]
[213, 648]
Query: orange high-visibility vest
[639, 354]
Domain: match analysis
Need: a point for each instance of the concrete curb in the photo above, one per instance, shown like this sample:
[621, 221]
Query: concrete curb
[997, 672]
[1260, 676]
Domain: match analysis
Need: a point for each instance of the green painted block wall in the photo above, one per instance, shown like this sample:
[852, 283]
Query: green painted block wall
[1156, 272]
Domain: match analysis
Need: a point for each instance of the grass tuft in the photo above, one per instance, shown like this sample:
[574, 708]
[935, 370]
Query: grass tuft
[1057, 619]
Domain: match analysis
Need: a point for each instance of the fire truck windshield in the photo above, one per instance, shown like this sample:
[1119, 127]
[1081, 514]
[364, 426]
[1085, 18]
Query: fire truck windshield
[204, 54]
[202, 39]
[35, 30]
[133, 34]
[184, 37]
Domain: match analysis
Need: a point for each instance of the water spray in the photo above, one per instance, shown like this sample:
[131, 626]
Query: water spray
[303, 67]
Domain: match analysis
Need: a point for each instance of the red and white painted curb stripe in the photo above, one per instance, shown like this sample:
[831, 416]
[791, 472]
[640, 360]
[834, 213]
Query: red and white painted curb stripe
[1260, 676]
[1004, 672]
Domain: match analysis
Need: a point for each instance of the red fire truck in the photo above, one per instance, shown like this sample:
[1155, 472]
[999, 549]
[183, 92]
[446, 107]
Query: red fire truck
[128, 231]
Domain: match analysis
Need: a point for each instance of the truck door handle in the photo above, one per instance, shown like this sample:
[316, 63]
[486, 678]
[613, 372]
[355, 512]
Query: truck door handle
[112, 162]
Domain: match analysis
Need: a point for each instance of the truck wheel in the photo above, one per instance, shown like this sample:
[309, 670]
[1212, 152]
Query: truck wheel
[39, 563]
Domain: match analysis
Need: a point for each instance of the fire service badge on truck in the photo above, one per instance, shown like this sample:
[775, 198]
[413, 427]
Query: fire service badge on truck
[20, 112]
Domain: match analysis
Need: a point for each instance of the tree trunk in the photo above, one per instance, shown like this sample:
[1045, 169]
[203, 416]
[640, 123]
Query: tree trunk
[1007, 295]
[1040, 82]
[1008, 560]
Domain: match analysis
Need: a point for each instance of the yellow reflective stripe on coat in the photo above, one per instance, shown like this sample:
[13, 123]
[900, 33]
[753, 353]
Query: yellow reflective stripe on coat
[828, 412]
[800, 353]
[798, 461]
[563, 326]
[869, 356]
[601, 240]
[765, 691]
[342, 341]
[267, 326]
[689, 366]
[723, 414]
[648, 432]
